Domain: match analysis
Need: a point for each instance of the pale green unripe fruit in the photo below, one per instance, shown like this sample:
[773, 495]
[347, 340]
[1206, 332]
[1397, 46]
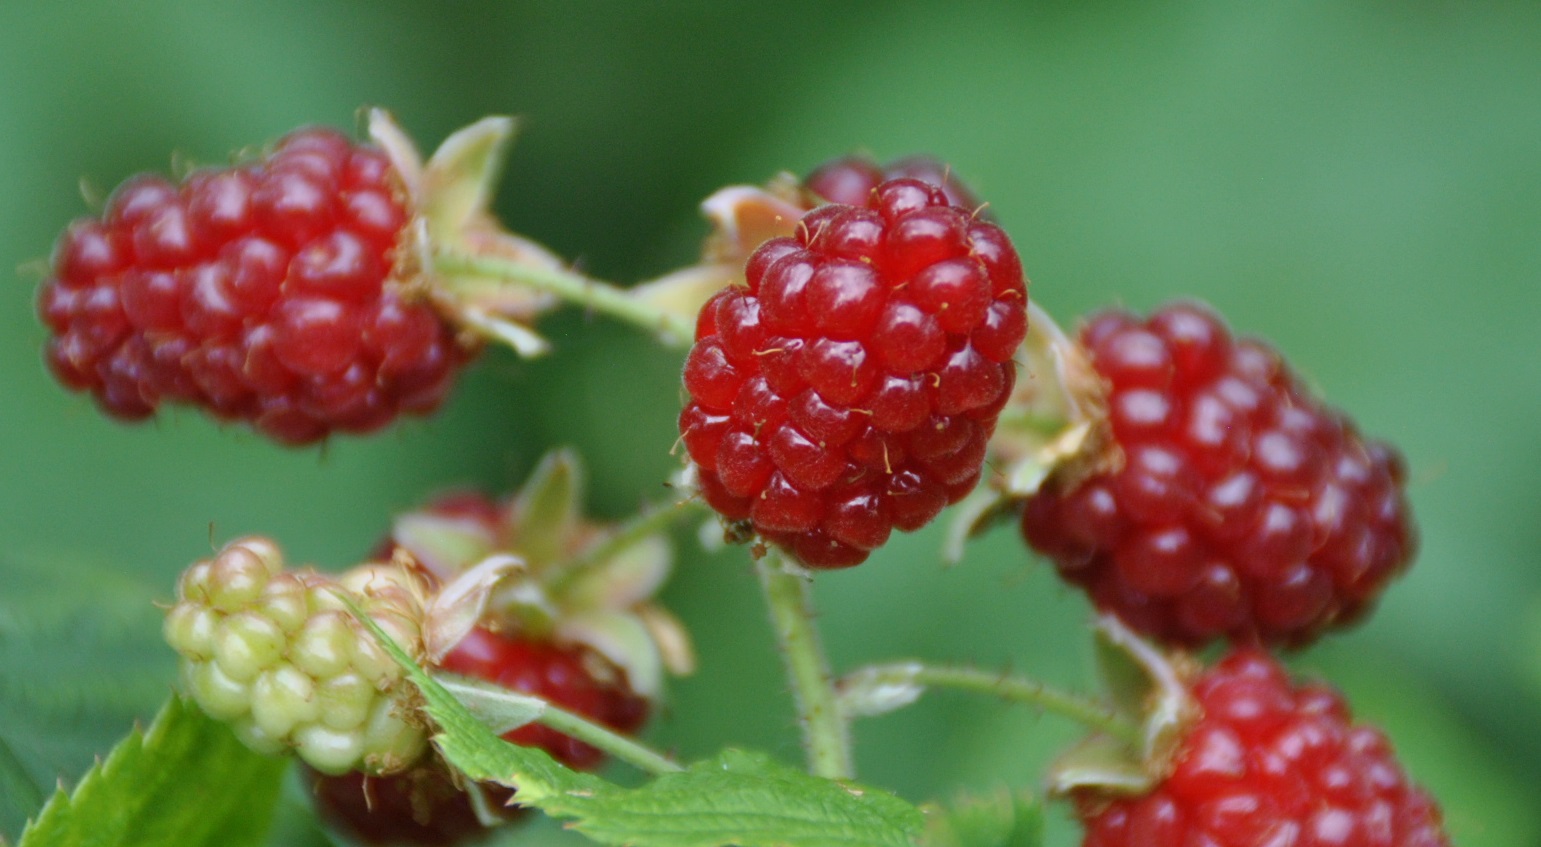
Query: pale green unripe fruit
[286, 602]
[328, 750]
[345, 700]
[236, 578]
[282, 698]
[191, 630]
[324, 646]
[278, 655]
[392, 743]
[218, 694]
[246, 643]
[257, 738]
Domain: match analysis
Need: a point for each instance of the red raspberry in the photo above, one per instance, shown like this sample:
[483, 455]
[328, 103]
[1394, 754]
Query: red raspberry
[265, 292]
[1268, 763]
[422, 807]
[853, 385]
[1243, 506]
[850, 179]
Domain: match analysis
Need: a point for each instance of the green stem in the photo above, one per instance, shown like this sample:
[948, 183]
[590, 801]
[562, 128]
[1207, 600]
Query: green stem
[626, 749]
[917, 676]
[826, 735]
[572, 287]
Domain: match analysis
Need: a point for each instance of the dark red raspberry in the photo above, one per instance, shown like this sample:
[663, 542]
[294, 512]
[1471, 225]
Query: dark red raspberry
[264, 292]
[852, 386]
[574, 677]
[421, 807]
[1270, 764]
[850, 179]
[1243, 506]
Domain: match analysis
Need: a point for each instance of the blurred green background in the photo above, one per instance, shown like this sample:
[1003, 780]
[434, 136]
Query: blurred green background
[1358, 181]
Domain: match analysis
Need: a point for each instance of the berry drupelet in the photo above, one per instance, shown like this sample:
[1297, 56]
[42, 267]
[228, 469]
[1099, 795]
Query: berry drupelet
[1239, 505]
[1270, 763]
[851, 386]
[275, 292]
[850, 179]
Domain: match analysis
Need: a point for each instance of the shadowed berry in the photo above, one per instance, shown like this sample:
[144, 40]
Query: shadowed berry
[852, 386]
[419, 808]
[1270, 763]
[266, 293]
[1243, 507]
[572, 676]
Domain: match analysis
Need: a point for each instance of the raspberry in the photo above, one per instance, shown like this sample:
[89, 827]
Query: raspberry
[1244, 507]
[852, 386]
[1270, 763]
[277, 655]
[850, 179]
[272, 292]
[422, 806]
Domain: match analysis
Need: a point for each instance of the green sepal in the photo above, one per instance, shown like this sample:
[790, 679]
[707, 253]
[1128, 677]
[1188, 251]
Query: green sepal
[1000, 819]
[1101, 764]
[548, 508]
[139, 795]
[444, 545]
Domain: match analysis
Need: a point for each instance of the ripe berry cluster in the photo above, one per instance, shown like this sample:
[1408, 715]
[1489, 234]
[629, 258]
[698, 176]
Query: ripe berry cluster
[268, 292]
[1271, 763]
[849, 386]
[853, 385]
[1241, 507]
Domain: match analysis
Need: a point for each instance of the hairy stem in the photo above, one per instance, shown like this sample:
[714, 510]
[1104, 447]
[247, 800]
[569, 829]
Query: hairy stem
[626, 749]
[826, 735]
[574, 288]
[904, 682]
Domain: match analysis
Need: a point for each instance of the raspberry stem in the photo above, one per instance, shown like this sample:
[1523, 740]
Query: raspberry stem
[574, 288]
[626, 749]
[861, 683]
[826, 733]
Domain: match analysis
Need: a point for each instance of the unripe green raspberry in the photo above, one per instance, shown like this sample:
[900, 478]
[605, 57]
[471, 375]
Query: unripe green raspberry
[277, 655]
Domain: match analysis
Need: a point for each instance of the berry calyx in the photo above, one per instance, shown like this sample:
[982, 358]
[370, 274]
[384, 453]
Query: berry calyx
[851, 386]
[1268, 762]
[277, 655]
[278, 292]
[1233, 504]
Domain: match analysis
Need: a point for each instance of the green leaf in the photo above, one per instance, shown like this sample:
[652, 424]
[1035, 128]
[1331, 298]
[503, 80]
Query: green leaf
[81, 659]
[139, 796]
[1002, 819]
[497, 708]
[740, 798]
[743, 798]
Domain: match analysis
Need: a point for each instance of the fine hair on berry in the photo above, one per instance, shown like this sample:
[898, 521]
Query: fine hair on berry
[272, 292]
[1270, 763]
[1239, 505]
[852, 386]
